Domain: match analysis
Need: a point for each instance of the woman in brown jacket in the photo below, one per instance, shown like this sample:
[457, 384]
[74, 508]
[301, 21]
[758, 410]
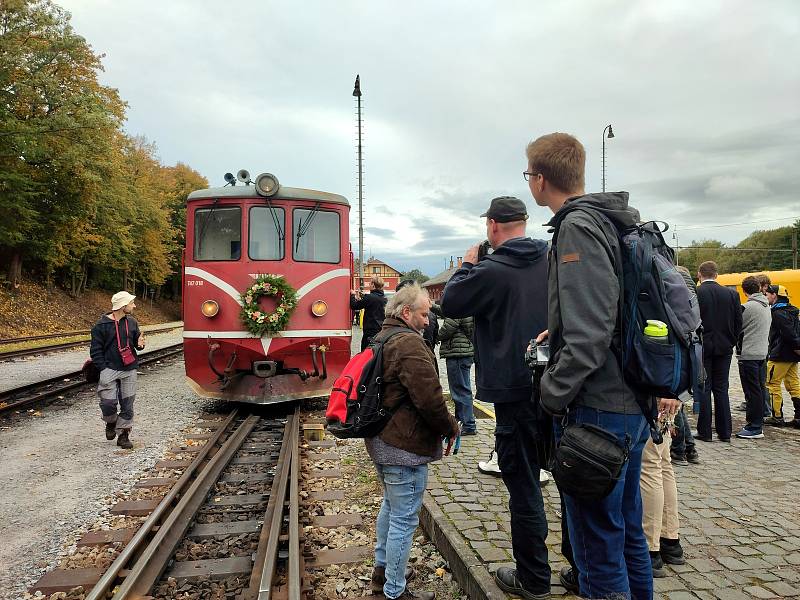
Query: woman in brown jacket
[411, 439]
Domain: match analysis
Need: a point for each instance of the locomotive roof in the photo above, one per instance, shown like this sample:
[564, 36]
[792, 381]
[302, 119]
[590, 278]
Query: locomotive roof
[284, 193]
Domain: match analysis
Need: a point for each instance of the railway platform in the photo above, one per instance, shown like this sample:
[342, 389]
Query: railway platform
[740, 526]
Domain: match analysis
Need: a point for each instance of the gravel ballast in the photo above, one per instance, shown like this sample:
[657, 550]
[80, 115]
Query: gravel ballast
[57, 468]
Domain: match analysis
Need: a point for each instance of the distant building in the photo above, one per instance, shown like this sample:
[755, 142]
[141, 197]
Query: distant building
[390, 275]
[435, 285]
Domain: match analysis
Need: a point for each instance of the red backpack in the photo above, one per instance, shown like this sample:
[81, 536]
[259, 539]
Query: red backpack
[355, 408]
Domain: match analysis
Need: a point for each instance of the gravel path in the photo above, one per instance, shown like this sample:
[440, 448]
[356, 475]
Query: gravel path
[57, 468]
[29, 369]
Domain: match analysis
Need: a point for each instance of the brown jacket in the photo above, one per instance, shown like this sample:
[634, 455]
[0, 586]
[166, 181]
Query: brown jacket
[411, 383]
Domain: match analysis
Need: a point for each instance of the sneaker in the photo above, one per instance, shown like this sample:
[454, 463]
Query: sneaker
[671, 552]
[111, 431]
[544, 477]
[749, 434]
[658, 565]
[678, 459]
[775, 422]
[743, 407]
[693, 457]
[123, 441]
[490, 467]
[506, 578]
[795, 423]
[569, 579]
[469, 432]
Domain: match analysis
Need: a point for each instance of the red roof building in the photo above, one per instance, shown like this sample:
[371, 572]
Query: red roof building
[390, 275]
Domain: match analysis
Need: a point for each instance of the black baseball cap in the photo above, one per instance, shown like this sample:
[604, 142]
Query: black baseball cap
[507, 208]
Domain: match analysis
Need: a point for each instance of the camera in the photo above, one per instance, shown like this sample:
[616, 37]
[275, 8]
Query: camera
[537, 356]
[484, 249]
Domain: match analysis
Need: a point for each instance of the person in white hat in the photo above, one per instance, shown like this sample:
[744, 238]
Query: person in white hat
[115, 339]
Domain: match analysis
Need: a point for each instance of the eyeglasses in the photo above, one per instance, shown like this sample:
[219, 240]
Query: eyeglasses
[528, 175]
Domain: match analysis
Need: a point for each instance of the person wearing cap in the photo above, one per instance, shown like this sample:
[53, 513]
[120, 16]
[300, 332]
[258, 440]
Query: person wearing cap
[506, 293]
[783, 355]
[117, 333]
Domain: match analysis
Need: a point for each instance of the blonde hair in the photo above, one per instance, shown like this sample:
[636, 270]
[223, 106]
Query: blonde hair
[410, 295]
[376, 282]
[561, 159]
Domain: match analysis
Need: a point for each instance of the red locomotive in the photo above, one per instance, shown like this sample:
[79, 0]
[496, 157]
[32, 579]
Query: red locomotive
[238, 236]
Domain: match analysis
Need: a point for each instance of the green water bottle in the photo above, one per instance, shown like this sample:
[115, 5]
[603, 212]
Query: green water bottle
[657, 331]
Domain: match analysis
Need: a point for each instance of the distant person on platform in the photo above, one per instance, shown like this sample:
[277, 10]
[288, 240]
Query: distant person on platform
[455, 337]
[721, 313]
[374, 305]
[784, 354]
[115, 339]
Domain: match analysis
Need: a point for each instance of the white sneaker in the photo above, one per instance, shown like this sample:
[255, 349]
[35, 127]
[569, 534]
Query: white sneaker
[544, 477]
[490, 467]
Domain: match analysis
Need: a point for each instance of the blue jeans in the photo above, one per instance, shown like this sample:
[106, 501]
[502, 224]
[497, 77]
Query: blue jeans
[683, 441]
[608, 541]
[403, 488]
[461, 390]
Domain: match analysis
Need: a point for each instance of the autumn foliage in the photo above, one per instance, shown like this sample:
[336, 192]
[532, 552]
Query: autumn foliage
[82, 202]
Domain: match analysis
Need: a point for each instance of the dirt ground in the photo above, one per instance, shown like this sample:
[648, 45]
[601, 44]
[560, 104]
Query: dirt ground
[32, 310]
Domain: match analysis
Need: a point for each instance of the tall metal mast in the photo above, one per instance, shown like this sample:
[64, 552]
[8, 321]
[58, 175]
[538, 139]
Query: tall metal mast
[357, 94]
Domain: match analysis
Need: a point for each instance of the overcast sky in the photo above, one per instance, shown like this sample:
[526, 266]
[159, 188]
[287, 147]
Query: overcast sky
[703, 96]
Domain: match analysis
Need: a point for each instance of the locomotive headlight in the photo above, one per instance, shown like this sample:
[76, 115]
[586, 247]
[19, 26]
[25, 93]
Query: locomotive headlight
[210, 308]
[267, 184]
[319, 308]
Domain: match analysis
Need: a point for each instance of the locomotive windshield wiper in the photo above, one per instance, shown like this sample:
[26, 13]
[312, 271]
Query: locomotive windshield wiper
[275, 221]
[205, 226]
[302, 228]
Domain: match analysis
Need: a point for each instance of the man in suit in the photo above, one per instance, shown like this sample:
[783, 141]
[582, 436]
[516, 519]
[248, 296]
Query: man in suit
[721, 314]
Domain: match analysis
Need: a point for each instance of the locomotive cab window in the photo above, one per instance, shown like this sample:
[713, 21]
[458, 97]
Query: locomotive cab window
[218, 233]
[267, 225]
[315, 235]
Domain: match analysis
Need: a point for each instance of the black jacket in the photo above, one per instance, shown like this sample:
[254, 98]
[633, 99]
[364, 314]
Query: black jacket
[721, 313]
[104, 351]
[784, 333]
[374, 305]
[506, 292]
[431, 332]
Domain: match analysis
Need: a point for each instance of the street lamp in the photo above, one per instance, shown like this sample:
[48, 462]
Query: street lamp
[610, 135]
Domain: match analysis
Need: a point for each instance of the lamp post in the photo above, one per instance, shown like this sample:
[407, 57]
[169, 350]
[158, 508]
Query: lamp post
[357, 94]
[610, 135]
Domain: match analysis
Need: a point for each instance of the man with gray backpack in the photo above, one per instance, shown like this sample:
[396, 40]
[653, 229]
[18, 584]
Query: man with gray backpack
[621, 331]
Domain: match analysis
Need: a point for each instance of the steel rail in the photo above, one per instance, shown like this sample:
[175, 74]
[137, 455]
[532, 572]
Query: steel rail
[55, 347]
[145, 532]
[144, 359]
[155, 557]
[267, 552]
[295, 579]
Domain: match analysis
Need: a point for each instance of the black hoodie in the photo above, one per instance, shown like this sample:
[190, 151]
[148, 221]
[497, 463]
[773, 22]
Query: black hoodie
[784, 333]
[104, 351]
[506, 292]
[374, 305]
[583, 307]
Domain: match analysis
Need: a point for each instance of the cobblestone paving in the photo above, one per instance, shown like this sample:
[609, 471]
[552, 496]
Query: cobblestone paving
[739, 510]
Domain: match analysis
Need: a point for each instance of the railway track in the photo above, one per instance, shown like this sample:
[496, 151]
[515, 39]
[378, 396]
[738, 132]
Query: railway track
[55, 347]
[33, 393]
[222, 523]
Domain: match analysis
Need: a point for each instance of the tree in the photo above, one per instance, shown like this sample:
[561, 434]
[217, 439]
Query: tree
[416, 275]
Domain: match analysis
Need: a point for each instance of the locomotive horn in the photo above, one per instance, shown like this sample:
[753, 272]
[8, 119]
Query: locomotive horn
[230, 178]
[244, 176]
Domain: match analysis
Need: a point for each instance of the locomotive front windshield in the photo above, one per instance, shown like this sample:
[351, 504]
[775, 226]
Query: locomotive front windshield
[218, 233]
[315, 235]
[266, 233]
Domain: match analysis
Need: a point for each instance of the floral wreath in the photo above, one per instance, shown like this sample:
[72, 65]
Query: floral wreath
[259, 322]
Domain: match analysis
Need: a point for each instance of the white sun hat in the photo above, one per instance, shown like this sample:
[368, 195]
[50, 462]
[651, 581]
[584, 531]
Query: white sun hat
[121, 299]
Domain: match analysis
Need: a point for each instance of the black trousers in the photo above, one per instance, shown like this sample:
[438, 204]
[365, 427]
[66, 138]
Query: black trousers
[366, 337]
[717, 375]
[515, 440]
[753, 374]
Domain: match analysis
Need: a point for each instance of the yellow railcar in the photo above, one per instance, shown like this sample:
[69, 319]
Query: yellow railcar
[789, 278]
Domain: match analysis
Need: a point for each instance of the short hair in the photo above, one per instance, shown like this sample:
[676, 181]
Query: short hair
[410, 295]
[708, 269]
[376, 282]
[750, 285]
[763, 279]
[561, 159]
[683, 270]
